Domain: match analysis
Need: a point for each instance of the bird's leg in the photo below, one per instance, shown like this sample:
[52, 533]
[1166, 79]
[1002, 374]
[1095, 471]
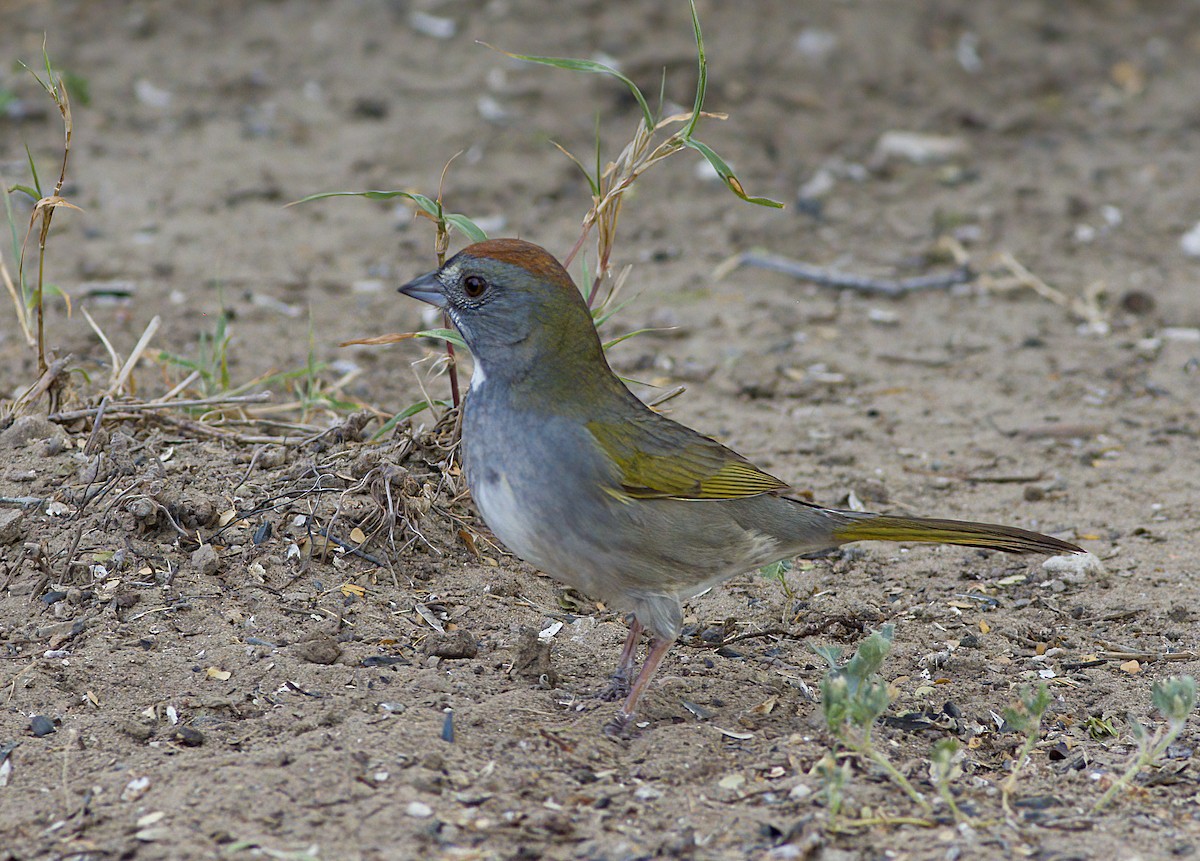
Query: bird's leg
[618, 686]
[619, 725]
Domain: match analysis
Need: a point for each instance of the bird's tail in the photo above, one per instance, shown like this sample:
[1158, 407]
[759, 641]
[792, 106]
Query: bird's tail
[1010, 539]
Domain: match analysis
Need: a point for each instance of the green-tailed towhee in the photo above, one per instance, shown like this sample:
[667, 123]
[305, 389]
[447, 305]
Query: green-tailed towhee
[578, 477]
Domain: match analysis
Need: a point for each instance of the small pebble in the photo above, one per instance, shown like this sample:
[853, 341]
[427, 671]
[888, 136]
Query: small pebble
[1074, 567]
[799, 792]
[453, 645]
[41, 725]
[1189, 243]
[917, 148]
[188, 736]
[205, 560]
[11, 528]
[418, 810]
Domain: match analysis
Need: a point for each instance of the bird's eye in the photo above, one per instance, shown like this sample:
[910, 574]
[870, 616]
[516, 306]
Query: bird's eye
[474, 286]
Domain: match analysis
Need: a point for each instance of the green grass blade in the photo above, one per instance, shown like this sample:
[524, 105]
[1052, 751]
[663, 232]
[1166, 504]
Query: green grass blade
[448, 335]
[633, 334]
[591, 67]
[429, 206]
[701, 79]
[726, 173]
[406, 413]
[33, 170]
[466, 226]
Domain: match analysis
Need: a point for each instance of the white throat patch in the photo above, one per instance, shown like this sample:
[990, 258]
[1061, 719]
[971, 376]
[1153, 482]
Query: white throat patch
[478, 377]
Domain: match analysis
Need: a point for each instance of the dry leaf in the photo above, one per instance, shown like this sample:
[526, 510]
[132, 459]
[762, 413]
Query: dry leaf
[740, 736]
[430, 619]
[765, 707]
[379, 339]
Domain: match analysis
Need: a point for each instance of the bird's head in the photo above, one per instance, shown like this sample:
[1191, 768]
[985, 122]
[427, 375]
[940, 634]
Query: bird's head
[515, 306]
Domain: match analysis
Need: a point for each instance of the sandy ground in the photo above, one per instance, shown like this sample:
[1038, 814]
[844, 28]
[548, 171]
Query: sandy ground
[257, 697]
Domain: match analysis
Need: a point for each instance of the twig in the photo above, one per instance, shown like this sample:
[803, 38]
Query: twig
[135, 355]
[145, 406]
[22, 314]
[1146, 657]
[847, 281]
[113, 355]
[22, 501]
[45, 381]
[351, 548]
[97, 423]
[187, 381]
[203, 430]
[1087, 309]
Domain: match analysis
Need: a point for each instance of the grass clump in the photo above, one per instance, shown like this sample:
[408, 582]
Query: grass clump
[655, 138]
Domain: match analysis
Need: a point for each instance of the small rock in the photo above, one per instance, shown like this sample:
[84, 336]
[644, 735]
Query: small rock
[1189, 243]
[816, 45]
[205, 560]
[188, 736]
[917, 148]
[799, 792]
[28, 428]
[455, 644]
[418, 810]
[1184, 334]
[321, 649]
[531, 659]
[11, 530]
[1074, 567]
[41, 725]
[149, 94]
[1138, 302]
[136, 729]
[435, 26]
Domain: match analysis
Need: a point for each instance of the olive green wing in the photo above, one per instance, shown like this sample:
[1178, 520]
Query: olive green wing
[662, 459]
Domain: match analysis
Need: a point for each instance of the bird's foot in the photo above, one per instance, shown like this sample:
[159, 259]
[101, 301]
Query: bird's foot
[620, 726]
[617, 688]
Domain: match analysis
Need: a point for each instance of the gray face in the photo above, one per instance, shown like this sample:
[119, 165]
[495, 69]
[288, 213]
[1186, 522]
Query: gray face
[487, 300]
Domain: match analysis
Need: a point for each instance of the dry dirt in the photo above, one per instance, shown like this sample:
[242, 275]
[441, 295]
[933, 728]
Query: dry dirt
[261, 698]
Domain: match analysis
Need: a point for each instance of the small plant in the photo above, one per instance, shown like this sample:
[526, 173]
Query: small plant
[211, 361]
[853, 697]
[778, 571]
[29, 299]
[1175, 698]
[444, 223]
[1025, 718]
[834, 775]
[944, 769]
[608, 186]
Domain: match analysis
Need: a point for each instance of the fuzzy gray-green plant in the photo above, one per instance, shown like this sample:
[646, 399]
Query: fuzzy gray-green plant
[1025, 718]
[854, 696]
[1175, 698]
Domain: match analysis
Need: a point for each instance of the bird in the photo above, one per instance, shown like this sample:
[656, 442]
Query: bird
[578, 477]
